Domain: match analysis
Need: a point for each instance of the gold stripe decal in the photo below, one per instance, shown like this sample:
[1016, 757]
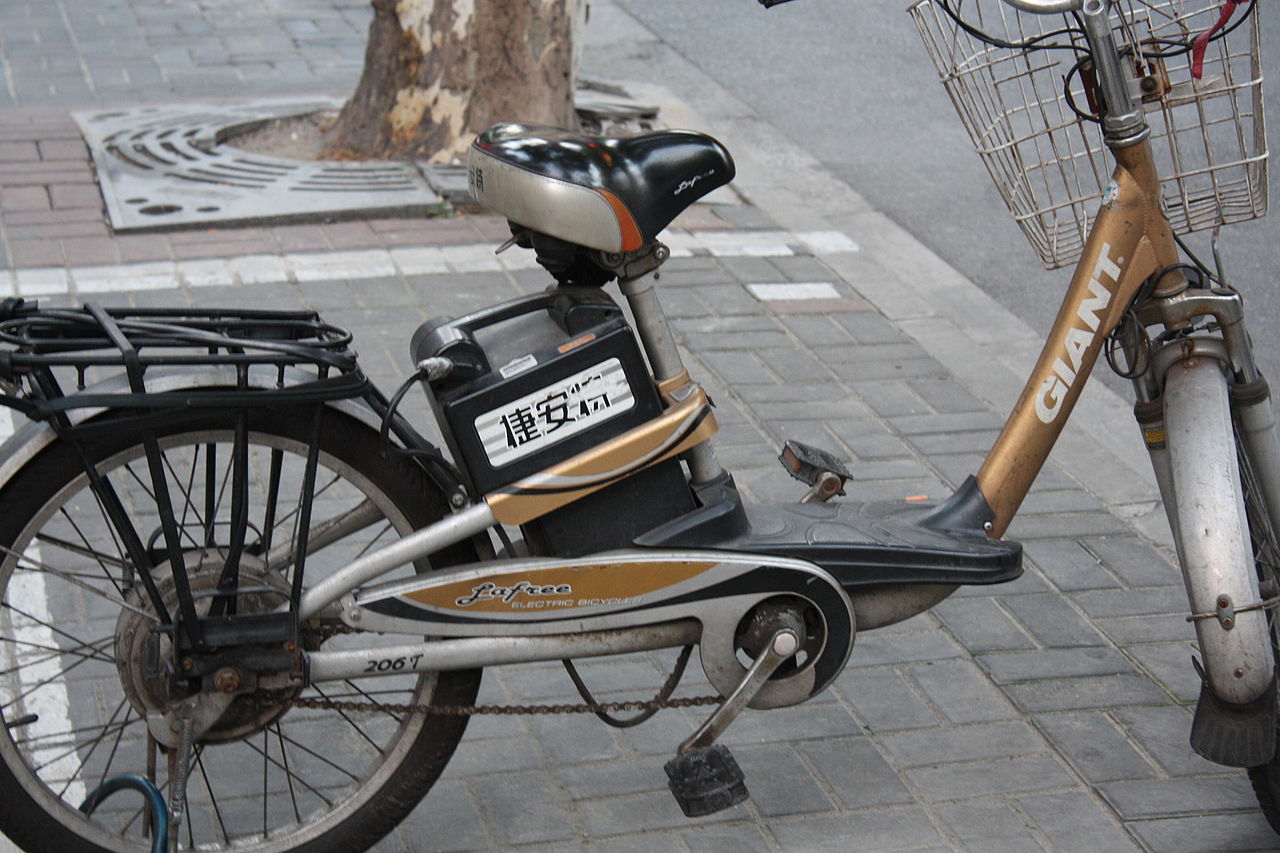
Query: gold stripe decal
[558, 587]
[670, 434]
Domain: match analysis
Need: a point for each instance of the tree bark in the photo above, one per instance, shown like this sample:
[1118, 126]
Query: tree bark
[437, 72]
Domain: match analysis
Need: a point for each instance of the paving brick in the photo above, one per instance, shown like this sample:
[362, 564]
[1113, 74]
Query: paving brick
[63, 149]
[990, 778]
[1153, 798]
[1134, 561]
[782, 784]
[1147, 629]
[52, 217]
[646, 812]
[989, 827]
[1073, 820]
[860, 777]
[1235, 833]
[891, 829]
[961, 692]
[945, 395]
[75, 195]
[727, 839]
[1066, 525]
[1093, 744]
[142, 247]
[18, 152]
[1169, 664]
[1013, 667]
[525, 807]
[300, 238]
[981, 625]
[451, 818]
[1052, 621]
[955, 442]
[737, 368]
[1069, 694]
[877, 648]
[866, 438]
[896, 368]
[89, 250]
[1136, 602]
[1069, 565]
[888, 397]
[869, 328]
[23, 198]
[954, 744]
[813, 720]
[884, 701]
[35, 253]
[56, 230]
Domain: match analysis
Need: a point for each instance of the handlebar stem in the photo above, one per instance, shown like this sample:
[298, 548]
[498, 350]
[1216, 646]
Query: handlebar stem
[1123, 121]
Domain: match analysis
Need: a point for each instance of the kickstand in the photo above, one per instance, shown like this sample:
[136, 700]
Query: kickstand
[179, 769]
[704, 777]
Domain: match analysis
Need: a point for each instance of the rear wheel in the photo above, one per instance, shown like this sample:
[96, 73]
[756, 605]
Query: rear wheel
[81, 666]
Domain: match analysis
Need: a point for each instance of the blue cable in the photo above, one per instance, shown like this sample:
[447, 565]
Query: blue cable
[132, 781]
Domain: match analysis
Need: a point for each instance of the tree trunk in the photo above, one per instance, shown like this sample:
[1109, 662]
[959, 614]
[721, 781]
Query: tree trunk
[437, 72]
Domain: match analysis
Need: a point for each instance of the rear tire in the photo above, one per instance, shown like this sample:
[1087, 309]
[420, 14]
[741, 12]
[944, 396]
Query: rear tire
[285, 780]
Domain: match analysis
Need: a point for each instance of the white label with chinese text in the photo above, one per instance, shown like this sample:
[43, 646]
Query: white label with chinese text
[552, 414]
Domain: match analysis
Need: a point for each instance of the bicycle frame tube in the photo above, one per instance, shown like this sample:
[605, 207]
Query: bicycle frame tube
[1129, 242]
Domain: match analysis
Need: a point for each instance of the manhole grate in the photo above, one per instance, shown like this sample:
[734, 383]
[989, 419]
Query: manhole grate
[169, 166]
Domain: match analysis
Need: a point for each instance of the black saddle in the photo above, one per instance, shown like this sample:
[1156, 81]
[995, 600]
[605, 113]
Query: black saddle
[611, 194]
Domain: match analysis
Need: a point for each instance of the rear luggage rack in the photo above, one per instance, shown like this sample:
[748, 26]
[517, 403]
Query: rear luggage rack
[312, 360]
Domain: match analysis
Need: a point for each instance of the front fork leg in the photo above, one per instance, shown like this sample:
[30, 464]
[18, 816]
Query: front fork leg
[1193, 408]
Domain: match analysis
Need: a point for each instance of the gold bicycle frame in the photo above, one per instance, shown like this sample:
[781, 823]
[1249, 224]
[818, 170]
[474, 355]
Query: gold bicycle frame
[1129, 242]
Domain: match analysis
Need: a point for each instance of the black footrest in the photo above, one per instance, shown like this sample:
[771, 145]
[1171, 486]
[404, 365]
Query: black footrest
[705, 781]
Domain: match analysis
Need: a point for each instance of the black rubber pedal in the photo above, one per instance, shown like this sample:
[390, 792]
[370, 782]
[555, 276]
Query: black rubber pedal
[807, 463]
[705, 781]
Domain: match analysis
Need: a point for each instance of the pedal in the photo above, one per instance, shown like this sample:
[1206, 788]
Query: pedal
[704, 777]
[706, 780]
[823, 472]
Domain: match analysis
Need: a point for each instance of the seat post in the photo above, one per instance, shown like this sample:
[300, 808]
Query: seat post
[665, 360]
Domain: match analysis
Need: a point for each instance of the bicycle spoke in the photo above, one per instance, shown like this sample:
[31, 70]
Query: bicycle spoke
[89, 551]
[56, 653]
[350, 721]
[43, 683]
[213, 799]
[41, 567]
[124, 703]
[288, 774]
[326, 533]
[301, 781]
[311, 752]
[368, 698]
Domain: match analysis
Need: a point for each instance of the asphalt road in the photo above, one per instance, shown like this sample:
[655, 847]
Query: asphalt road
[851, 82]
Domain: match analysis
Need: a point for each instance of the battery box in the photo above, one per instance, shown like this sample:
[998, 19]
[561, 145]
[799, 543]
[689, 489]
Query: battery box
[536, 381]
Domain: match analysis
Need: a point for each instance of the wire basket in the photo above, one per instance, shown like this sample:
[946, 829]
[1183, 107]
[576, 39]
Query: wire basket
[1050, 165]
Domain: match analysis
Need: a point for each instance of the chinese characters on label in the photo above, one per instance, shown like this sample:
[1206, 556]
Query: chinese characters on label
[554, 413]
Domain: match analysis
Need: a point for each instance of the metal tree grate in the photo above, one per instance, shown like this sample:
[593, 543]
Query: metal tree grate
[171, 166]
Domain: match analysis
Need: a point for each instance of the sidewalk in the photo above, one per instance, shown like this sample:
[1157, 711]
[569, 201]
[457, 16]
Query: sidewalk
[1048, 714]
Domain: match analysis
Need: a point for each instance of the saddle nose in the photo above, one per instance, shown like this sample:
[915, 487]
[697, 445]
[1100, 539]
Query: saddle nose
[608, 193]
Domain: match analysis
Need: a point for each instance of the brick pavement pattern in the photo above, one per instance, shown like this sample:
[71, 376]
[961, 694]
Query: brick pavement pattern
[1050, 714]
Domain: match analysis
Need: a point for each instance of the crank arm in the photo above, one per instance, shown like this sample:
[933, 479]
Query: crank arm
[783, 645]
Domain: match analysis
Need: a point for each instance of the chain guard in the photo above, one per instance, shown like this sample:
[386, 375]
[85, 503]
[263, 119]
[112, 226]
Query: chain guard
[724, 592]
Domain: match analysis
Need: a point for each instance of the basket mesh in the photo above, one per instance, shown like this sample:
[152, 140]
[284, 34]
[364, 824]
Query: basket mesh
[1050, 166]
